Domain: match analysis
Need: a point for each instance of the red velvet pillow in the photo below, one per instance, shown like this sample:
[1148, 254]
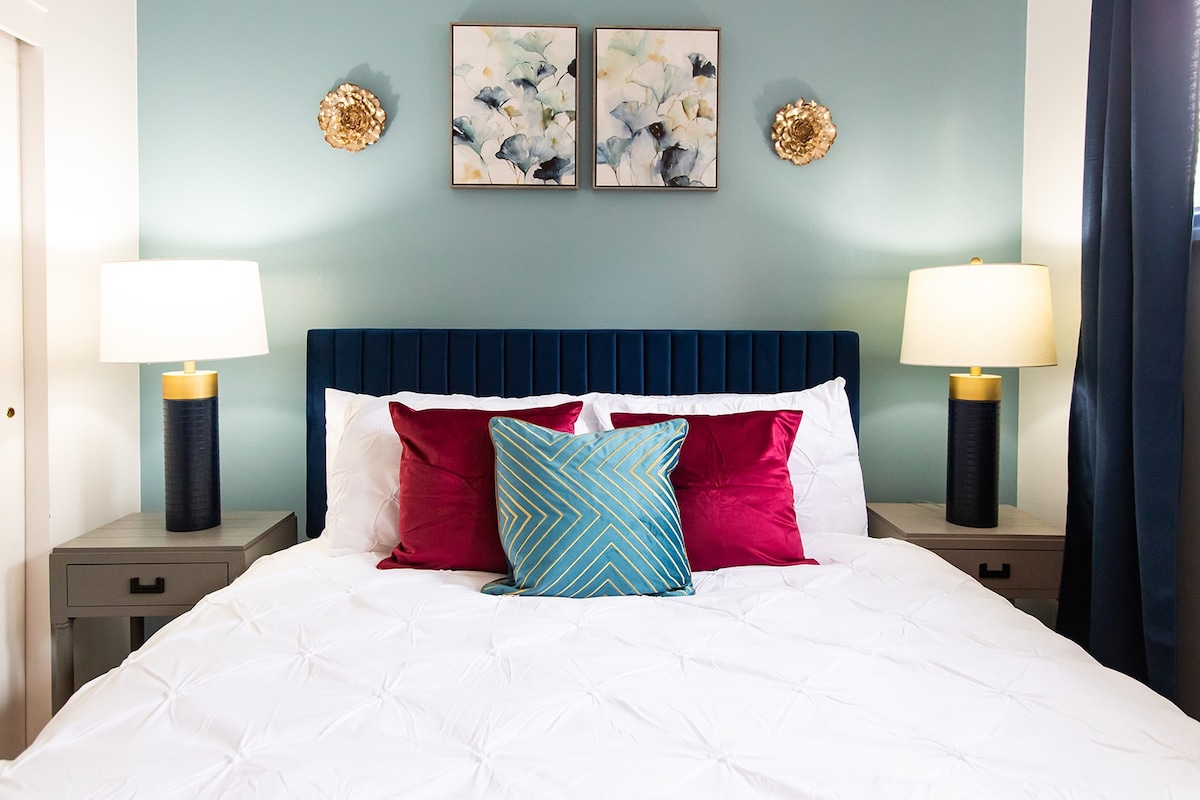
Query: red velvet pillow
[735, 495]
[448, 485]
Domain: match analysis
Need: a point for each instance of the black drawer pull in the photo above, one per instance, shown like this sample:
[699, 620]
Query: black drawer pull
[1004, 572]
[158, 587]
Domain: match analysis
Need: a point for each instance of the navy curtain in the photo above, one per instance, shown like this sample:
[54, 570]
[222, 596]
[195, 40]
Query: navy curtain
[1119, 594]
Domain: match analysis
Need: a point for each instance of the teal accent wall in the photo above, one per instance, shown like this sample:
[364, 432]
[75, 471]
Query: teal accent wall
[926, 170]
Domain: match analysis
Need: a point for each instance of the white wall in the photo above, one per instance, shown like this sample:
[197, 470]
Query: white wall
[80, 198]
[1056, 60]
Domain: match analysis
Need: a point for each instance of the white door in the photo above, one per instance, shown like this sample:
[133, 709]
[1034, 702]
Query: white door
[12, 414]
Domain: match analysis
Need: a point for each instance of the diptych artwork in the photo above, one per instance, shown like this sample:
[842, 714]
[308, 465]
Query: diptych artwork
[513, 105]
[656, 108]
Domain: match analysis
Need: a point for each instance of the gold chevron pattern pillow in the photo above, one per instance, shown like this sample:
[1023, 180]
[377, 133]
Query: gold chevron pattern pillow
[589, 515]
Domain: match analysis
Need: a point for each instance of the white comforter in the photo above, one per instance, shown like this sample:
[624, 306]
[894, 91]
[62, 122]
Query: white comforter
[882, 673]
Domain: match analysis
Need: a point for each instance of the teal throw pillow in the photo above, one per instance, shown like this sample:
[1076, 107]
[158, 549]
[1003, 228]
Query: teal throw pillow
[589, 515]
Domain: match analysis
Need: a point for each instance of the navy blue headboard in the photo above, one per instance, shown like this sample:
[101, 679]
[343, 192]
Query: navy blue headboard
[516, 363]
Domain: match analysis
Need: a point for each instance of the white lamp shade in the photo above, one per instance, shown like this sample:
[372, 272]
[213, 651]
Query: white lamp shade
[984, 315]
[180, 310]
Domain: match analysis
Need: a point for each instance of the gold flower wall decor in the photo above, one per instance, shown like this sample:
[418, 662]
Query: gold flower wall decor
[803, 131]
[351, 117]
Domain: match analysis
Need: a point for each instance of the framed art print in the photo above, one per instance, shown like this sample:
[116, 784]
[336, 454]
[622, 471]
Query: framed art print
[513, 105]
[656, 108]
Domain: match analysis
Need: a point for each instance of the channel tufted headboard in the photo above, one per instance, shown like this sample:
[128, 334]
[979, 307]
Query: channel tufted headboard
[520, 362]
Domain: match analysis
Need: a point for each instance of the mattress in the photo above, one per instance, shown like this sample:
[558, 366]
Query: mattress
[882, 672]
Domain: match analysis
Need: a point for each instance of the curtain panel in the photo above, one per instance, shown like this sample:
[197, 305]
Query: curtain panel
[1119, 596]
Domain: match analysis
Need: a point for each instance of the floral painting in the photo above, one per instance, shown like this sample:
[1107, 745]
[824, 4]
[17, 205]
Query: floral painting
[656, 108]
[513, 105]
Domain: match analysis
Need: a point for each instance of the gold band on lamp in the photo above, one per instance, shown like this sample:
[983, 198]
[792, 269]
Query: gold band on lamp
[195, 385]
[974, 387]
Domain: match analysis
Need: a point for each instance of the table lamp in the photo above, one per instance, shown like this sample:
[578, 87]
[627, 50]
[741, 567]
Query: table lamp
[184, 310]
[995, 315]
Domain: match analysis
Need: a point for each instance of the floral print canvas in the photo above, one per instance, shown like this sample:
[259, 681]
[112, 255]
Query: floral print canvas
[513, 105]
[656, 108]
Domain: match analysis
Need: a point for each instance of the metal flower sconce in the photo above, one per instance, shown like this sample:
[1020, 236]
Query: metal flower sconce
[351, 117]
[803, 131]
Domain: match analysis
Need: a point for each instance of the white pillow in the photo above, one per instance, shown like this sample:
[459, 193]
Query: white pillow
[363, 473]
[824, 467]
[338, 406]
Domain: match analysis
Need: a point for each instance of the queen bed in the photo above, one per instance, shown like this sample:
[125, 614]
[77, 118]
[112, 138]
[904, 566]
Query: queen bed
[863, 669]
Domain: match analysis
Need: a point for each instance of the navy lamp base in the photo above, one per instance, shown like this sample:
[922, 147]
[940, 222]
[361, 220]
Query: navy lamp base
[973, 451]
[191, 450]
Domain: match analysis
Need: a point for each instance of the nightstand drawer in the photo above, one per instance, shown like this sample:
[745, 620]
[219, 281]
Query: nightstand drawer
[143, 584]
[1009, 569]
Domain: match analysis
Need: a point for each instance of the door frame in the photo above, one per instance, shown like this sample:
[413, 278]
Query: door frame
[14, 736]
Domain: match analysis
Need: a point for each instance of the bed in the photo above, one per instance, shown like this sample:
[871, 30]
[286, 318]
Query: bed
[879, 671]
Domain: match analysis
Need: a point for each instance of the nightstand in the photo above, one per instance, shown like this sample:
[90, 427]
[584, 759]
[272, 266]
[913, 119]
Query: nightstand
[136, 568]
[1020, 558]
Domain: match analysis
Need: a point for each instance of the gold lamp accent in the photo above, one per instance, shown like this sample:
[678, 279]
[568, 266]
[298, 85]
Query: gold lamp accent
[999, 315]
[189, 383]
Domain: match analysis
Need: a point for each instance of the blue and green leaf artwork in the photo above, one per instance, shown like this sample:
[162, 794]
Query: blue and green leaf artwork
[656, 108]
[513, 105]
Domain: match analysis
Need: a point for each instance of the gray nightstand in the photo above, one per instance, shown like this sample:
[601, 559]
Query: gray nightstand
[1020, 558]
[136, 568]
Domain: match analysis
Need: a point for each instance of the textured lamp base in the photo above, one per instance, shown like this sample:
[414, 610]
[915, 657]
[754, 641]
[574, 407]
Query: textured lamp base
[191, 455]
[973, 463]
